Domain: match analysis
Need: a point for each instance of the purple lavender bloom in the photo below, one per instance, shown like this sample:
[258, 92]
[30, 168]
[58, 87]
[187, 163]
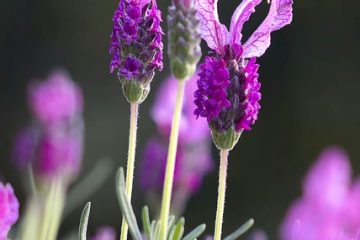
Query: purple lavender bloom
[9, 209]
[136, 46]
[228, 94]
[330, 206]
[104, 233]
[54, 143]
[56, 100]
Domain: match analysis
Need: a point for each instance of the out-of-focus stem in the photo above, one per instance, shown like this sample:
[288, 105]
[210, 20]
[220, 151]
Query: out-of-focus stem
[170, 163]
[221, 193]
[54, 204]
[134, 109]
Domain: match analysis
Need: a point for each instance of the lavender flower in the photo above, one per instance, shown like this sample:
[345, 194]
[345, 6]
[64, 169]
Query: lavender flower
[193, 159]
[56, 100]
[136, 47]
[104, 233]
[9, 209]
[228, 89]
[330, 206]
[53, 143]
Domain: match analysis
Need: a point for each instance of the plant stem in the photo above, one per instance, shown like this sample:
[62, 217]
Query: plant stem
[221, 193]
[170, 162]
[134, 109]
[54, 205]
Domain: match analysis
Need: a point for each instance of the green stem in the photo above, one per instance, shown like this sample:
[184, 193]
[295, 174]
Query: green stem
[54, 204]
[170, 163]
[134, 109]
[221, 193]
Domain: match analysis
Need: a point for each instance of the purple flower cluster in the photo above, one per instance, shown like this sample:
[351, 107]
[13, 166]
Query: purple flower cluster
[193, 159]
[330, 205]
[53, 144]
[9, 209]
[228, 88]
[136, 46]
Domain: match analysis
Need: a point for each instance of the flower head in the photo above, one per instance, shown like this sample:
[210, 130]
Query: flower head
[9, 209]
[228, 92]
[184, 38]
[53, 144]
[330, 205]
[56, 100]
[136, 47]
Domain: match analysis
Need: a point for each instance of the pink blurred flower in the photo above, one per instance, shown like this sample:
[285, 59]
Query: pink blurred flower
[329, 208]
[9, 209]
[104, 233]
[163, 108]
[56, 99]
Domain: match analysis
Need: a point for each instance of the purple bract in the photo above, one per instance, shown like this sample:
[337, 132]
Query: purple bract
[228, 94]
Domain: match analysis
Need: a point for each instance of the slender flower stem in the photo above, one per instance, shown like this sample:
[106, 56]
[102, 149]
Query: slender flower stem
[134, 109]
[170, 162]
[221, 193]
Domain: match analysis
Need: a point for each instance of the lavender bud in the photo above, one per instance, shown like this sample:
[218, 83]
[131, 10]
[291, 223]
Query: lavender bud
[184, 39]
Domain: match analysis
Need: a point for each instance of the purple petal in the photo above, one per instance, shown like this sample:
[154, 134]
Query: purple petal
[240, 16]
[212, 31]
[280, 14]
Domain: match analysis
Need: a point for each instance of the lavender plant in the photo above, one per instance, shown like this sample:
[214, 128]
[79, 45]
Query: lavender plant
[227, 95]
[136, 50]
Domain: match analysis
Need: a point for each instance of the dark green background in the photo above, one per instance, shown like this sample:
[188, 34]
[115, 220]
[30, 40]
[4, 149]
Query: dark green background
[310, 86]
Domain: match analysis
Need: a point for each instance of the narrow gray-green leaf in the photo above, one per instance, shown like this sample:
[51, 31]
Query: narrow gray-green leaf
[195, 233]
[241, 230]
[157, 230]
[125, 205]
[84, 222]
[179, 229]
[146, 223]
[171, 221]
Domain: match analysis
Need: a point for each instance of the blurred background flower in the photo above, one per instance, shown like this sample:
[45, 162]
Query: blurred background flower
[330, 205]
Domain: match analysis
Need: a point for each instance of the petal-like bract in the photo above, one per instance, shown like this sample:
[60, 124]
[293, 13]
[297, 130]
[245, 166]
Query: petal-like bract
[280, 14]
[240, 16]
[212, 31]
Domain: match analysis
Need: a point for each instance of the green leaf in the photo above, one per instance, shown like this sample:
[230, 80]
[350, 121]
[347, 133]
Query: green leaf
[179, 229]
[84, 222]
[125, 205]
[241, 230]
[171, 222]
[195, 233]
[156, 230]
[146, 223]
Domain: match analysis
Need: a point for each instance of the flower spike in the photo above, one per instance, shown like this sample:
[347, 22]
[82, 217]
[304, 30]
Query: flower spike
[228, 92]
